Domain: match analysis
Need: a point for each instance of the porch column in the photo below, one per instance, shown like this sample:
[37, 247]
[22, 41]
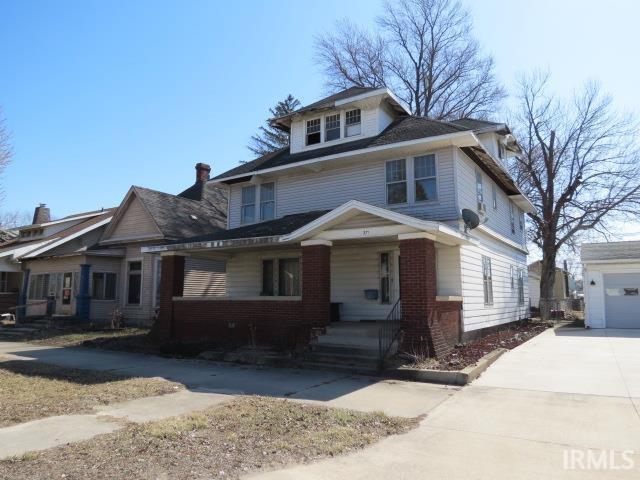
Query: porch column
[316, 282]
[83, 299]
[21, 313]
[418, 291]
[171, 285]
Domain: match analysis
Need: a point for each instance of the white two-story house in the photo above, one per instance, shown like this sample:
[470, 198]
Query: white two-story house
[359, 220]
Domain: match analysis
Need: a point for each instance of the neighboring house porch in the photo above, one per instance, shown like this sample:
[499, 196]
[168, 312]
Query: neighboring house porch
[285, 277]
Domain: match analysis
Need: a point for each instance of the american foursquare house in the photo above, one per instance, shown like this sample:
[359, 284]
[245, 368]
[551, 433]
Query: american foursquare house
[359, 220]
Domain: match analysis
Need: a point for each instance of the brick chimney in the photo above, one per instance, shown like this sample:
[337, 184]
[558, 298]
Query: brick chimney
[41, 214]
[202, 172]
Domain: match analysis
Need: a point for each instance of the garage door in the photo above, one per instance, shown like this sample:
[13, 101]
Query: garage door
[622, 300]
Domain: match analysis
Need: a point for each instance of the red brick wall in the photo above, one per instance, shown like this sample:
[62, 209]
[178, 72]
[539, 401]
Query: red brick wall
[316, 284]
[171, 285]
[236, 322]
[8, 300]
[418, 290]
[449, 316]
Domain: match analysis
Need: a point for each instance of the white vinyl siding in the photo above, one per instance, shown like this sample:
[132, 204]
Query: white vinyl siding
[505, 307]
[498, 221]
[306, 191]
[135, 222]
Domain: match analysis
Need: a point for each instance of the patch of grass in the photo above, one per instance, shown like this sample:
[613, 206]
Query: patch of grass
[227, 441]
[73, 337]
[30, 390]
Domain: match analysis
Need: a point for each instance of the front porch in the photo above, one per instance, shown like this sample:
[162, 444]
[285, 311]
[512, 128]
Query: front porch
[281, 291]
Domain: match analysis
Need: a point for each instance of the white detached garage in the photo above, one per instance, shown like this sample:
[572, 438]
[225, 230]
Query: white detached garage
[611, 274]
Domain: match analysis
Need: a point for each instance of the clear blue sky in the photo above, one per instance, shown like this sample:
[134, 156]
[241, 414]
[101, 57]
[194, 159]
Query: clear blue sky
[100, 95]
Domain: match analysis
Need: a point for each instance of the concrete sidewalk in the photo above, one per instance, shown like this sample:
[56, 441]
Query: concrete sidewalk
[564, 391]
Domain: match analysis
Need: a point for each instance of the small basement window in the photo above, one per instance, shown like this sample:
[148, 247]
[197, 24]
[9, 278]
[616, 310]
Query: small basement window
[353, 124]
[313, 131]
[332, 127]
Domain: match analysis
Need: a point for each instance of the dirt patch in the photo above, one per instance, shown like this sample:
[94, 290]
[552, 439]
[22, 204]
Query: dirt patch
[30, 390]
[228, 441]
[76, 336]
[469, 353]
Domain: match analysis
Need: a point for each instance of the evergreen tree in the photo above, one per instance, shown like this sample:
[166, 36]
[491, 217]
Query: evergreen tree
[269, 138]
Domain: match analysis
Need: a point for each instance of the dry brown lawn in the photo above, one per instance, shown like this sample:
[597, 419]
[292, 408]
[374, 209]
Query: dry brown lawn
[30, 390]
[227, 441]
[74, 337]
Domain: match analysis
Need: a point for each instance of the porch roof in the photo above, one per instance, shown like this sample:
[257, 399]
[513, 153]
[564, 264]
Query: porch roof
[320, 225]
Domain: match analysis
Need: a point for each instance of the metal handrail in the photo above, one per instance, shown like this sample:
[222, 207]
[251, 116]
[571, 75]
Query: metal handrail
[389, 332]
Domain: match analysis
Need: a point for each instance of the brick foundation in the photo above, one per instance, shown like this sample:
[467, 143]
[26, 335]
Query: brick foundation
[316, 285]
[240, 322]
[449, 318]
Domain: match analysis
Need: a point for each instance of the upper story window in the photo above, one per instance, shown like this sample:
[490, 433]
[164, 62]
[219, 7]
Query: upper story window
[353, 123]
[332, 127]
[267, 201]
[521, 219]
[396, 172]
[479, 191]
[248, 208]
[494, 197]
[512, 218]
[424, 174]
[313, 131]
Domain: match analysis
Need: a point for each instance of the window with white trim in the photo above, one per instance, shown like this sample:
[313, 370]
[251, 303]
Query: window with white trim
[521, 219]
[39, 286]
[512, 217]
[103, 286]
[487, 281]
[513, 278]
[313, 131]
[520, 287]
[281, 276]
[267, 201]
[396, 174]
[248, 205]
[353, 123]
[479, 191]
[494, 196]
[332, 127]
[424, 174]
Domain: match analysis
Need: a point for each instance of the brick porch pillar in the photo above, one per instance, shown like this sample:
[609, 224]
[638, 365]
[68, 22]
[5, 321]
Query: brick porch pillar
[316, 282]
[171, 285]
[418, 290]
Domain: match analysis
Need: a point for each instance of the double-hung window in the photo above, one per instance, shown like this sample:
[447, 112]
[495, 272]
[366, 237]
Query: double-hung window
[281, 277]
[494, 197]
[39, 286]
[396, 172]
[104, 286]
[332, 127]
[353, 123]
[424, 174]
[248, 207]
[520, 287]
[512, 218]
[313, 131]
[513, 277]
[521, 219]
[267, 201]
[134, 282]
[487, 281]
[479, 191]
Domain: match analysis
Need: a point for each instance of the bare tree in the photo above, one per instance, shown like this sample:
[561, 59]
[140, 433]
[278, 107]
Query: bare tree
[580, 167]
[5, 147]
[13, 219]
[269, 138]
[425, 52]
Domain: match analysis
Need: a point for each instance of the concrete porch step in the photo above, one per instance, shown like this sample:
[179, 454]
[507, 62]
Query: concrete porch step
[334, 367]
[360, 329]
[363, 350]
[341, 358]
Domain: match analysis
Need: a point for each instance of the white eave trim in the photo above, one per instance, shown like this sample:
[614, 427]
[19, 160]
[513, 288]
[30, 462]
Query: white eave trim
[610, 261]
[62, 241]
[502, 238]
[523, 202]
[459, 139]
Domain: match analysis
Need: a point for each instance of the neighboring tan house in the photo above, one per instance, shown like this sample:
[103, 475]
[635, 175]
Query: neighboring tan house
[611, 282]
[361, 215]
[104, 269]
[62, 243]
[563, 287]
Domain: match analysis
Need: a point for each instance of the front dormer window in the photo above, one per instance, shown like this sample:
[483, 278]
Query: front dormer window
[332, 127]
[248, 208]
[313, 131]
[352, 123]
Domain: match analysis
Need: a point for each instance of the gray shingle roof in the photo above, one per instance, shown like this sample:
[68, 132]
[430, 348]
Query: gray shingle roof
[329, 101]
[610, 251]
[179, 217]
[270, 228]
[400, 130]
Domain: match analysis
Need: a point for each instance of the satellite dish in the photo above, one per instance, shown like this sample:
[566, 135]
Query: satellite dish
[470, 218]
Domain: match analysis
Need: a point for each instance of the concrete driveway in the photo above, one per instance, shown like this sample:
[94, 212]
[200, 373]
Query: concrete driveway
[540, 412]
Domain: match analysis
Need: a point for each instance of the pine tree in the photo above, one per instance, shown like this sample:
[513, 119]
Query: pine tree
[269, 138]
